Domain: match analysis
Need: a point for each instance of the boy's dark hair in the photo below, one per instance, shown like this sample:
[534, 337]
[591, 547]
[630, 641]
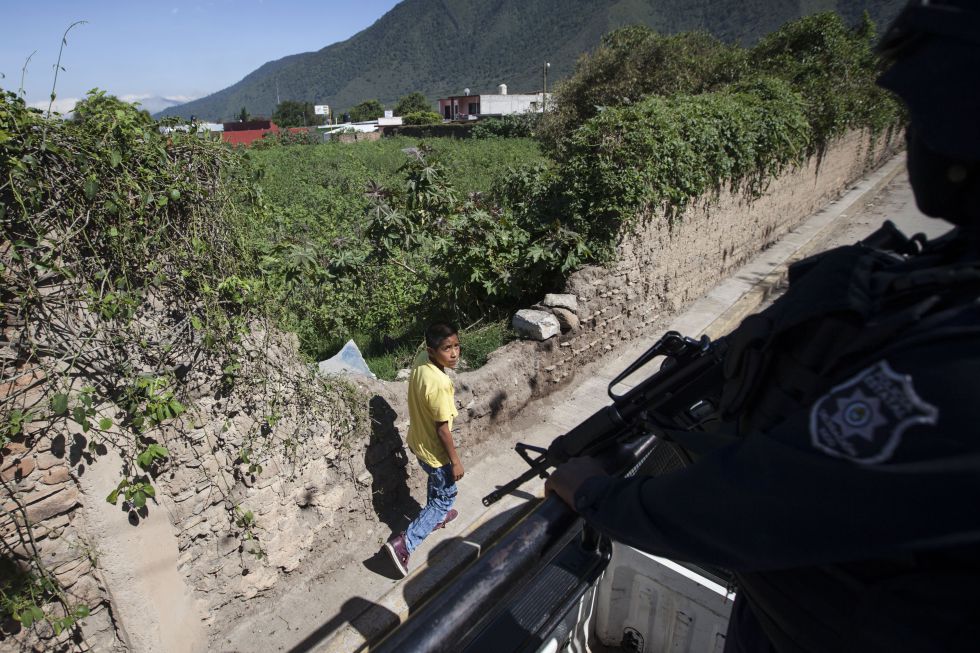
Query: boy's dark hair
[438, 332]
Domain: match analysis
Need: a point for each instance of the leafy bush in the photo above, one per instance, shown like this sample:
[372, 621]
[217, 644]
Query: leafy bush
[649, 122]
[520, 125]
[422, 118]
[832, 66]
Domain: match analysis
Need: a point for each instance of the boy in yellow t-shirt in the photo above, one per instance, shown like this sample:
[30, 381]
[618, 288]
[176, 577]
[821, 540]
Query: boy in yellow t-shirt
[431, 409]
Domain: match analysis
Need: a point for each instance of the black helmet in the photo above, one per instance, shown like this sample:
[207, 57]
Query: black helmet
[935, 49]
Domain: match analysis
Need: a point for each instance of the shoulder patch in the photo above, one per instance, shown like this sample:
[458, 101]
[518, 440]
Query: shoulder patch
[863, 419]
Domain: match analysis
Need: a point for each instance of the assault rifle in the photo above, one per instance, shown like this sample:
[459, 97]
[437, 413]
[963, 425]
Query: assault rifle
[528, 585]
[682, 397]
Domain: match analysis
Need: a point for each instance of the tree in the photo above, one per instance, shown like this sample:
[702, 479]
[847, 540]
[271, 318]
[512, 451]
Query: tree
[243, 115]
[367, 110]
[414, 102]
[292, 113]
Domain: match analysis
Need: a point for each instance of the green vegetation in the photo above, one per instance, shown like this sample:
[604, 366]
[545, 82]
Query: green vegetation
[24, 593]
[126, 251]
[834, 69]
[635, 62]
[831, 66]
[522, 125]
[326, 244]
[710, 115]
[99, 215]
[369, 242]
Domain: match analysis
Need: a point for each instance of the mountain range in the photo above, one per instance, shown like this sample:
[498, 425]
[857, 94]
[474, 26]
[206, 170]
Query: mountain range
[440, 47]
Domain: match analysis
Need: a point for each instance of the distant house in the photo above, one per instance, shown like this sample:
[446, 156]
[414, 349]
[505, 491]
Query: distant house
[198, 127]
[364, 127]
[468, 107]
[249, 131]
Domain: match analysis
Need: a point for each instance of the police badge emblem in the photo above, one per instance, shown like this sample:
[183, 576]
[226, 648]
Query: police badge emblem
[863, 419]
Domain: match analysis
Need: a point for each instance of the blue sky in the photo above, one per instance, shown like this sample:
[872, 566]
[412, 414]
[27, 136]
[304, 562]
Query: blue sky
[179, 49]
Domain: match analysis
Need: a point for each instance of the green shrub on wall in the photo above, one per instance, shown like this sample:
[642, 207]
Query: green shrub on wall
[662, 152]
[832, 66]
[834, 69]
[649, 122]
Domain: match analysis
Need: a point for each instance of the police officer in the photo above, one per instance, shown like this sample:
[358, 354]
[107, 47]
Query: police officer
[848, 501]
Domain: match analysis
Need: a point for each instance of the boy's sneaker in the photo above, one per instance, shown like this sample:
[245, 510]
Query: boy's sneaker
[398, 552]
[451, 515]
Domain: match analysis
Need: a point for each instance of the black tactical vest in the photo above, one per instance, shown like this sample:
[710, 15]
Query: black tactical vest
[844, 310]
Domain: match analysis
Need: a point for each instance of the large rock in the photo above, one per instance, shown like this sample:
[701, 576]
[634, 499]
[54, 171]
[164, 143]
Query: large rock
[567, 319]
[568, 302]
[347, 361]
[537, 325]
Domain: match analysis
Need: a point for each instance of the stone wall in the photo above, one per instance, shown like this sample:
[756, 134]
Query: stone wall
[254, 476]
[660, 267]
[355, 137]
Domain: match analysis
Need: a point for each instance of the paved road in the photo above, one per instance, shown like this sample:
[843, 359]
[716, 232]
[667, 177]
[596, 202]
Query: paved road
[339, 610]
[895, 203]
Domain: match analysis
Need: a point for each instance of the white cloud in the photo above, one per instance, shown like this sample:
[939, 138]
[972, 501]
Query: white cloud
[155, 103]
[63, 105]
[151, 103]
[139, 97]
[174, 10]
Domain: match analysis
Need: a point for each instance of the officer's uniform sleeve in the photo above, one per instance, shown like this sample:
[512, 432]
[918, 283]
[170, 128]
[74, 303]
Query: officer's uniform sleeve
[880, 465]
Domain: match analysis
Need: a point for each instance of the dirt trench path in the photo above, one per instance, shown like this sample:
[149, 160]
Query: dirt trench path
[339, 607]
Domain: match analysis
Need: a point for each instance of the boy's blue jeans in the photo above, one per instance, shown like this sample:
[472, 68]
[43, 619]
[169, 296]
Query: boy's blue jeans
[441, 495]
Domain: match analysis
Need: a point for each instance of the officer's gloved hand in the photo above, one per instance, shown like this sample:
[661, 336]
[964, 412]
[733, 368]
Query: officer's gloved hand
[568, 477]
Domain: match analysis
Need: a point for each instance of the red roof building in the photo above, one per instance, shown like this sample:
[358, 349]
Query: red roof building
[237, 133]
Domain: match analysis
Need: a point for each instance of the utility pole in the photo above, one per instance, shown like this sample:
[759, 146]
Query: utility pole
[544, 93]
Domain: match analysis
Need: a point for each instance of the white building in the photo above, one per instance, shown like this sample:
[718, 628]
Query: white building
[470, 107]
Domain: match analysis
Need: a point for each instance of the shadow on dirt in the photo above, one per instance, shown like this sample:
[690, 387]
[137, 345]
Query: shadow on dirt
[387, 461]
